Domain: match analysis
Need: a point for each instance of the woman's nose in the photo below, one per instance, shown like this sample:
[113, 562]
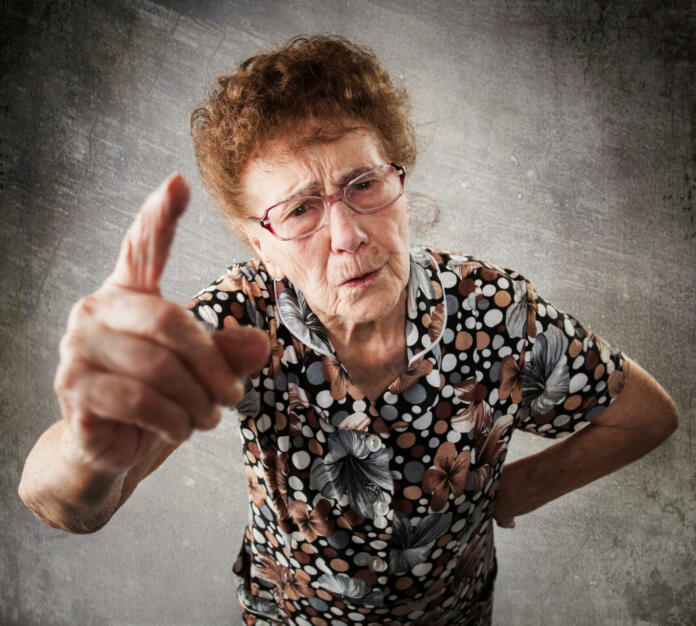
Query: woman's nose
[345, 229]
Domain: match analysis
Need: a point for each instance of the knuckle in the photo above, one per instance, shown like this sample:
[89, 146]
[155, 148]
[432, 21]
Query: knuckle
[65, 377]
[159, 359]
[69, 342]
[137, 399]
[83, 308]
[64, 346]
[59, 383]
[81, 419]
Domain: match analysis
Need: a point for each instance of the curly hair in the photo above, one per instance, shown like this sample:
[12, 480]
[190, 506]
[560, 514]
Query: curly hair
[325, 79]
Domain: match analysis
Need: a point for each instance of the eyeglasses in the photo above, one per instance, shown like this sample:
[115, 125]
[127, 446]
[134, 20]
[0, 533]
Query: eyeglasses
[369, 192]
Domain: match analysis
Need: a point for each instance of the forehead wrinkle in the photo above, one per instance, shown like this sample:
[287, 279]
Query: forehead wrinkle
[308, 156]
[316, 186]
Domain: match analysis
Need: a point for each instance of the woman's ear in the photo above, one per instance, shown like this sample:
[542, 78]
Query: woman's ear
[254, 241]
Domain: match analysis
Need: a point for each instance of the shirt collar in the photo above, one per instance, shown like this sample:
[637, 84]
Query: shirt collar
[425, 311]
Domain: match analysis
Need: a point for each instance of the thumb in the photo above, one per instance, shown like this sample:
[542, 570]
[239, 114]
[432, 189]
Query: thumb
[145, 247]
[245, 348]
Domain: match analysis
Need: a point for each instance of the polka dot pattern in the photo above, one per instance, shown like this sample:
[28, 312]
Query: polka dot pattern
[381, 512]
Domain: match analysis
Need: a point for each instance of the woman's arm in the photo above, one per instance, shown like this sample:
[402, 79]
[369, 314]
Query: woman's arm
[65, 492]
[137, 374]
[640, 418]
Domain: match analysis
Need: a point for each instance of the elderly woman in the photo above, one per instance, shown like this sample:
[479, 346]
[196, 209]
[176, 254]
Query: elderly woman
[377, 385]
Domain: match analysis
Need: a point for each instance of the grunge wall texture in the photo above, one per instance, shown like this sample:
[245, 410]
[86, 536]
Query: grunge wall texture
[559, 139]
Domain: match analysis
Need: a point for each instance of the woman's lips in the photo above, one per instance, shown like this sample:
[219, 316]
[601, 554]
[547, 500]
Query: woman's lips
[363, 280]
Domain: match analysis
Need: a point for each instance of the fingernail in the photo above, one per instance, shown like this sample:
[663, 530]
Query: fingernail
[168, 181]
[234, 392]
[215, 417]
[176, 187]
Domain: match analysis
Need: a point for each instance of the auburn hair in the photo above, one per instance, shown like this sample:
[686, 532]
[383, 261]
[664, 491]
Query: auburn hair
[325, 79]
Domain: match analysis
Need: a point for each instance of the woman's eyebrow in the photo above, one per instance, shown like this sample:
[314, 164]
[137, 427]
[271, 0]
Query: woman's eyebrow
[310, 189]
[354, 173]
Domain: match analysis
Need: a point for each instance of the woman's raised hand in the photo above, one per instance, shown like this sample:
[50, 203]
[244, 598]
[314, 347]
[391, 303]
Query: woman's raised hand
[135, 369]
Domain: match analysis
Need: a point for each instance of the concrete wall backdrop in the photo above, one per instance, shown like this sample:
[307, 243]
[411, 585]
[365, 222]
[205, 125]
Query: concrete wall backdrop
[559, 138]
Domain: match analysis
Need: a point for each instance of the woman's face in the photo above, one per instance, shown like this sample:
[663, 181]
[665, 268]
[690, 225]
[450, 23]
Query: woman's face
[355, 269]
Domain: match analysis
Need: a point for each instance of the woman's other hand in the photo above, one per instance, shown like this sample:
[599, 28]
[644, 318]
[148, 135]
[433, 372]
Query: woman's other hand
[640, 418]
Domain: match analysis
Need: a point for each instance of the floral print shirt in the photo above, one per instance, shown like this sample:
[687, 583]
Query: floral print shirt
[381, 512]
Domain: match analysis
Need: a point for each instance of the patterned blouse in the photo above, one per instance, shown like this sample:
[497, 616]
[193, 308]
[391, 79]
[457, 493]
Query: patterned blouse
[381, 512]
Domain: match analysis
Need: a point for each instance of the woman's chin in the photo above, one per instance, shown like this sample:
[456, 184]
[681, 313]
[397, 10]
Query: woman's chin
[370, 305]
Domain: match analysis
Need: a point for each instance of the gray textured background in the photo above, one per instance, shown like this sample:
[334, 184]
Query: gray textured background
[559, 139]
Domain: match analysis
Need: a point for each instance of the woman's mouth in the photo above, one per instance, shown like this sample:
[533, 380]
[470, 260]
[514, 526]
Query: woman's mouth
[363, 280]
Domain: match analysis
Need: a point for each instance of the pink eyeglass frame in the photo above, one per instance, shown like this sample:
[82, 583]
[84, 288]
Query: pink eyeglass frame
[264, 222]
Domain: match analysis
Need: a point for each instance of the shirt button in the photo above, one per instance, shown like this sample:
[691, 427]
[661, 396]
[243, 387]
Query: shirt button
[380, 507]
[376, 564]
[373, 443]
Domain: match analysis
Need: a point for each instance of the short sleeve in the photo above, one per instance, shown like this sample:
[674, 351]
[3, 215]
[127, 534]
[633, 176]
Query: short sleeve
[237, 298]
[569, 374]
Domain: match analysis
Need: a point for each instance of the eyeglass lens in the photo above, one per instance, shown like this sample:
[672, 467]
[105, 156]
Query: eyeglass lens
[369, 192]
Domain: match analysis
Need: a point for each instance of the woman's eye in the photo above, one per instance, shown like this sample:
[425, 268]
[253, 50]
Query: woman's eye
[363, 185]
[298, 211]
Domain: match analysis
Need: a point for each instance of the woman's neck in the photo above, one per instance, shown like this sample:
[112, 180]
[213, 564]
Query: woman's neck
[374, 353]
[348, 336]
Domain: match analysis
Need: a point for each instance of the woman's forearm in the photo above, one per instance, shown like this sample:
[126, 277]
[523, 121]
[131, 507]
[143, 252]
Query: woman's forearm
[593, 452]
[64, 492]
[639, 420]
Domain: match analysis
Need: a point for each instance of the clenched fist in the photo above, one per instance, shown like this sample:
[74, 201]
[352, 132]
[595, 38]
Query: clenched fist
[136, 369]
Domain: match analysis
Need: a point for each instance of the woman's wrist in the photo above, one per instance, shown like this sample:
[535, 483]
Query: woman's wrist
[92, 480]
[62, 489]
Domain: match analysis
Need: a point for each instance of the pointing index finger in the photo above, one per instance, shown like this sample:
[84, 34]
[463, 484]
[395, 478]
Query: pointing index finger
[145, 247]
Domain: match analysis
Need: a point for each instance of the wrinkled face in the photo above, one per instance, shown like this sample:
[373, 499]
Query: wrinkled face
[355, 269]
